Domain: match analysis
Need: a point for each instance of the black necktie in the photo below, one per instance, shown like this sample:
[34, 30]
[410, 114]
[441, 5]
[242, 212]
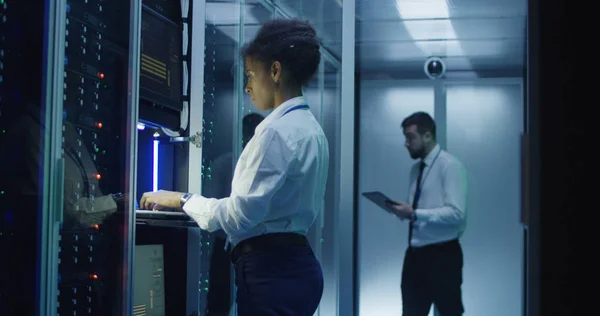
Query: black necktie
[416, 198]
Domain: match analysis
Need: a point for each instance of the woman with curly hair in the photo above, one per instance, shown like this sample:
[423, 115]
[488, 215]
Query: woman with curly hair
[279, 181]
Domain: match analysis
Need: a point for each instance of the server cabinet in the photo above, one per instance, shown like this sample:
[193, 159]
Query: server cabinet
[72, 108]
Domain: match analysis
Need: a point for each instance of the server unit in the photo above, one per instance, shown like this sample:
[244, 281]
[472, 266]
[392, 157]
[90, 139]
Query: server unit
[68, 91]
[161, 88]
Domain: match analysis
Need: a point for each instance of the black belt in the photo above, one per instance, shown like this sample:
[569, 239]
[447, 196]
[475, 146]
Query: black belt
[436, 246]
[267, 241]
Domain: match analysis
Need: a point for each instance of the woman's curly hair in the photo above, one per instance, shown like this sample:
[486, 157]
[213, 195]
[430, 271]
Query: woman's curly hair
[293, 43]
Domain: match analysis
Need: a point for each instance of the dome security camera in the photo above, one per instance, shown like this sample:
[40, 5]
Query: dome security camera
[435, 68]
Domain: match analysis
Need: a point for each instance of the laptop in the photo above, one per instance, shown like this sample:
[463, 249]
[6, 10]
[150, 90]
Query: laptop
[164, 218]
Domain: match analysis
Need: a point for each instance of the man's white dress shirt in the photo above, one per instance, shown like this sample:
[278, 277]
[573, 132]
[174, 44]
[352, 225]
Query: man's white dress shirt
[441, 209]
[279, 180]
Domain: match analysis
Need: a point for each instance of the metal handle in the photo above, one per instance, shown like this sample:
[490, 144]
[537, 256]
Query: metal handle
[195, 139]
[60, 190]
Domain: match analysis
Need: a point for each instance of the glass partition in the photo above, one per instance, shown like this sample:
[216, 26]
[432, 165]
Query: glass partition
[323, 94]
[97, 112]
[330, 114]
[325, 15]
[219, 146]
[254, 14]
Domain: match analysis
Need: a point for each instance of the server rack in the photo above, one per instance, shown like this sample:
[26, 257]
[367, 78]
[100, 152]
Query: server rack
[70, 107]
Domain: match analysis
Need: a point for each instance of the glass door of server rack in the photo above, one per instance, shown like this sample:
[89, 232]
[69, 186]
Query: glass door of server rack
[96, 133]
[219, 150]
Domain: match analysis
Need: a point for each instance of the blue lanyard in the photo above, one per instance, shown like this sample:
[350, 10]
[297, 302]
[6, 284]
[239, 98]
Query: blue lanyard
[297, 107]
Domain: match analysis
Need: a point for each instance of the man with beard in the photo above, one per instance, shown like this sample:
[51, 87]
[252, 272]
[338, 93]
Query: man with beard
[436, 210]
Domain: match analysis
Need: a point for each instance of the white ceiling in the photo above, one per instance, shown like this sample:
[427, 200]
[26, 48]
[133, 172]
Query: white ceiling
[470, 35]
[397, 36]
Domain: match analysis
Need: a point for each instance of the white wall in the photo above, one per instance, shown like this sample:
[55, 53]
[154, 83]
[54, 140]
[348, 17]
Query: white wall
[482, 121]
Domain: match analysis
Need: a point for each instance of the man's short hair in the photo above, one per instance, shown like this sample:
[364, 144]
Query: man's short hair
[423, 121]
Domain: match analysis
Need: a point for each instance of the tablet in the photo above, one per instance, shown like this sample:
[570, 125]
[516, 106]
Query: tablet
[379, 199]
